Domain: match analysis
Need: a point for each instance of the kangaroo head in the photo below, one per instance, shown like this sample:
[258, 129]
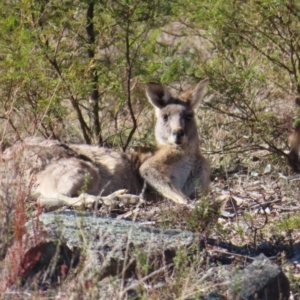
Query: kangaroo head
[175, 123]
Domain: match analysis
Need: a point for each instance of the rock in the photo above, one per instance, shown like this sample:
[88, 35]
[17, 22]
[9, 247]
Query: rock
[105, 234]
[104, 243]
[261, 280]
[101, 247]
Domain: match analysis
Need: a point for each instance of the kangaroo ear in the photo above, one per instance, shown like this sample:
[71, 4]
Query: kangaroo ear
[194, 94]
[158, 95]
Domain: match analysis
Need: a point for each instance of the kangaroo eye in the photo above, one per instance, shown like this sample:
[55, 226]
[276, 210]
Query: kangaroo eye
[165, 118]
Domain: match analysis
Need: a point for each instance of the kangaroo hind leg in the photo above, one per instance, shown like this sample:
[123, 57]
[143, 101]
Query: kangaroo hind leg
[69, 177]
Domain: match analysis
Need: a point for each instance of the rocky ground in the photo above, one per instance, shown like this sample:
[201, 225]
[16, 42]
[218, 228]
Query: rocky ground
[158, 250]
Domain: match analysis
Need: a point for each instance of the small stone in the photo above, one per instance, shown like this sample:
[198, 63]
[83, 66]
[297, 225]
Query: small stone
[261, 280]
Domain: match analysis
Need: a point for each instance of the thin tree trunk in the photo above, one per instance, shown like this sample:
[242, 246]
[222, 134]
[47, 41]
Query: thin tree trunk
[94, 95]
[128, 89]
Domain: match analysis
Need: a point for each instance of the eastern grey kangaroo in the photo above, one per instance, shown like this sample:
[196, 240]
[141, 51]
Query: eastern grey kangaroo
[294, 143]
[176, 170]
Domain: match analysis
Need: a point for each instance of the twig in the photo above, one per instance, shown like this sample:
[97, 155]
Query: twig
[142, 280]
[234, 254]
[265, 203]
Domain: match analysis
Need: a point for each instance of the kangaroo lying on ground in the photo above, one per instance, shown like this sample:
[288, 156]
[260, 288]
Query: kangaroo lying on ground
[62, 172]
[294, 143]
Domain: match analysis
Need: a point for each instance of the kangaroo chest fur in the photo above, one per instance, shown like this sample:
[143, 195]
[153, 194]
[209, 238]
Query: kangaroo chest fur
[176, 164]
[181, 171]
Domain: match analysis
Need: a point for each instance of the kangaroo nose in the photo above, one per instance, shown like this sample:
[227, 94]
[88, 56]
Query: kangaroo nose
[179, 133]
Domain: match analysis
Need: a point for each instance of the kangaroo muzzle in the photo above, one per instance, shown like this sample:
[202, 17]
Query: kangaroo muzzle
[178, 136]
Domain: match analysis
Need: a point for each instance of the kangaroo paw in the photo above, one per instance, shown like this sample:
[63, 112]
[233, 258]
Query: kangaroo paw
[180, 199]
[120, 198]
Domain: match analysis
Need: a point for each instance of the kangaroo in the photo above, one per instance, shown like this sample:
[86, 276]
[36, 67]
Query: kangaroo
[176, 170]
[294, 143]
